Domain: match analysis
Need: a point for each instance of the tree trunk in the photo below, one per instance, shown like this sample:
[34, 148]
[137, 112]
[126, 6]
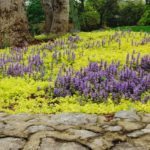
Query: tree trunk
[61, 16]
[13, 23]
[57, 15]
[48, 10]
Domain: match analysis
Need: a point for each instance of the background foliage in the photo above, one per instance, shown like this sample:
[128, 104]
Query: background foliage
[89, 15]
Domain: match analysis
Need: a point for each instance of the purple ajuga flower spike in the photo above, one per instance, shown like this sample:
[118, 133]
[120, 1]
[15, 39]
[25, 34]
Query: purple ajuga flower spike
[98, 81]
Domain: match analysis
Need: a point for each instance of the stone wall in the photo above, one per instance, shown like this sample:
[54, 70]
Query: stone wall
[126, 130]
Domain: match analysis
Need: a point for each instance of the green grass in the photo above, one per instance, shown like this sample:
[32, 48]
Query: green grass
[135, 28]
[44, 37]
[24, 94]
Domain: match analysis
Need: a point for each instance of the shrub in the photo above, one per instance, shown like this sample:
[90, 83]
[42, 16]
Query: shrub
[145, 19]
[89, 20]
[35, 16]
[130, 13]
[37, 28]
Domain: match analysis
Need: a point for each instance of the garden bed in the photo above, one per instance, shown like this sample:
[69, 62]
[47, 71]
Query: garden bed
[99, 72]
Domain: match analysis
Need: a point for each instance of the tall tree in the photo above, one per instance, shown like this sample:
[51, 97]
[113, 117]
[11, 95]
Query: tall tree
[49, 14]
[61, 16]
[13, 23]
[57, 15]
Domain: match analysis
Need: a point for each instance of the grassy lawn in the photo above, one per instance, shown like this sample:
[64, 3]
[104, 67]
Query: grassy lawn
[28, 76]
[135, 28]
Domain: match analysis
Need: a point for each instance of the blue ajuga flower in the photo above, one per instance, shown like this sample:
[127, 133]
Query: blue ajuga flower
[99, 80]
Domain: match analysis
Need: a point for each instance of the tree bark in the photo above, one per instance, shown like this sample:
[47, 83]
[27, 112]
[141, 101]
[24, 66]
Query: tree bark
[13, 23]
[57, 15]
[49, 13]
